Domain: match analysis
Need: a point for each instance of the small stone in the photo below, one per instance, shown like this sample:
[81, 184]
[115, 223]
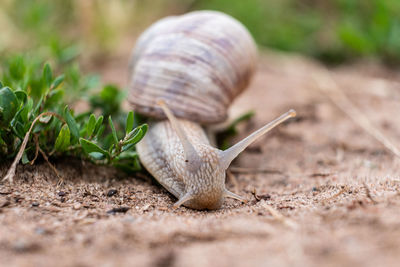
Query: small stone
[35, 204]
[146, 207]
[77, 206]
[18, 199]
[118, 210]
[111, 192]
[61, 193]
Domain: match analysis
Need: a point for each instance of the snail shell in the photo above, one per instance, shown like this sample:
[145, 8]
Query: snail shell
[198, 63]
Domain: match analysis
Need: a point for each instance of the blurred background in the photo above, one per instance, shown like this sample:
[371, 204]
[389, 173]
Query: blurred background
[99, 32]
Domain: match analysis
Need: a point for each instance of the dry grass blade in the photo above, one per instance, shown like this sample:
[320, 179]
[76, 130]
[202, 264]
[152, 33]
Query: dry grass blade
[329, 86]
[36, 150]
[60, 179]
[343, 190]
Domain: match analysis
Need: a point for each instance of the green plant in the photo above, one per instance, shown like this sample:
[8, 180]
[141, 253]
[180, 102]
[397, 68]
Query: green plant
[35, 117]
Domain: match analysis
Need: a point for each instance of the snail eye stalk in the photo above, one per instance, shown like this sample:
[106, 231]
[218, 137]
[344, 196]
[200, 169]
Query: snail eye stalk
[227, 156]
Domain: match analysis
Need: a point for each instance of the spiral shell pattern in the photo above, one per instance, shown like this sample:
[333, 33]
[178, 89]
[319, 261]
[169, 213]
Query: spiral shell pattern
[198, 63]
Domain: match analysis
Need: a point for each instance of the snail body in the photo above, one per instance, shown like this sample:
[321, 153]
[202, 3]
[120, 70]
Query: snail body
[181, 176]
[189, 69]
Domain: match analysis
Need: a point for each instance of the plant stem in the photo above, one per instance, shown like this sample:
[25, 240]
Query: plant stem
[11, 172]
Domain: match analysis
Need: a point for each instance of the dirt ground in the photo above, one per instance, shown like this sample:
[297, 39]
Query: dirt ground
[327, 193]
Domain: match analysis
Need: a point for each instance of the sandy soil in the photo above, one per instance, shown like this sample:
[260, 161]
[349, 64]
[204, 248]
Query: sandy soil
[327, 193]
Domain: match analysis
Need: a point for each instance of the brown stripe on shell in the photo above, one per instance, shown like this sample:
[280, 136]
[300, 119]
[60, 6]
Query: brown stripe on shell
[205, 50]
[187, 60]
[157, 90]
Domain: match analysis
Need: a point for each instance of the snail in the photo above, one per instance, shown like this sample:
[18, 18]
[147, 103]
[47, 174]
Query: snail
[184, 72]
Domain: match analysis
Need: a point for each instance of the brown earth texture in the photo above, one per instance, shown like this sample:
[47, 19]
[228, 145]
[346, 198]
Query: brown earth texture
[322, 191]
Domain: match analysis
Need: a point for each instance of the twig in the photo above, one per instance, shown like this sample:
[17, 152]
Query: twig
[51, 166]
[329, 86]
[11, 172]
[279, 217]
[259, 197]
[36, 151]
[254, 193]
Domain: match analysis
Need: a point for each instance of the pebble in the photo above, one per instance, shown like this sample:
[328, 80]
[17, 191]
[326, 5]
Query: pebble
[118, 210]
[111, 192]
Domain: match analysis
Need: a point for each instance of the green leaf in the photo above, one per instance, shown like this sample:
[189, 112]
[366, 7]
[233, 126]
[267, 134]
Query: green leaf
[127, 147]
[1, 85]
[63, 139]
[47, 75]
[99, 123]
[109, 93]
[21, 95]
[24, 112]
[114, 132]
[101, 130]
[73, 127]
[91, 125]
[129, 122]
[24, 158]
[8, 105]
[144, 128]
[38, 105]
[57, 81]
[90, 147]
[136, 135]
[19, 130]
